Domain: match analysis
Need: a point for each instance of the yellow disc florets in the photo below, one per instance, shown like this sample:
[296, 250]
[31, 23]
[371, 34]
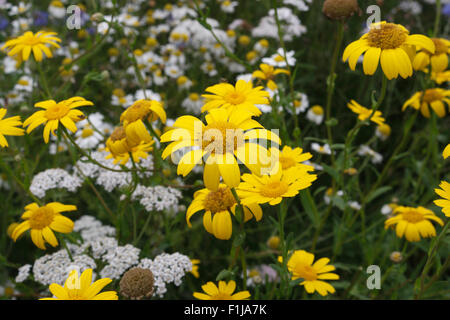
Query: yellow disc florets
[220, 200]
[387, 36]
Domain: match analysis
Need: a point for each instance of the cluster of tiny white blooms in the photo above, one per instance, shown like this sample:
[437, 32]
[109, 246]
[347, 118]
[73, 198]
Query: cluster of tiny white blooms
[54, 179]
[54, 268]
[119, 260]
[157, 198]
[24, 272]
[300, 5]
[167, 268]
[291, 24]
[375, 157]
[409, 6]
[91, 229]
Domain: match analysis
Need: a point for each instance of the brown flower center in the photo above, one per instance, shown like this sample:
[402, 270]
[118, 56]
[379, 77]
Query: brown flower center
[220, 200]
[220, 137]
[432, 95]
[118, 134]
[387, 36]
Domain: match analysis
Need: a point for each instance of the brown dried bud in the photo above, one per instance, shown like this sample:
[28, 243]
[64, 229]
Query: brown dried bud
[340, 9]
[137, 283]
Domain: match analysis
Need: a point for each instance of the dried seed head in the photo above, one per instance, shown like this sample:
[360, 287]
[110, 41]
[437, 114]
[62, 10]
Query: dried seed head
[340, 9]
[137, 283]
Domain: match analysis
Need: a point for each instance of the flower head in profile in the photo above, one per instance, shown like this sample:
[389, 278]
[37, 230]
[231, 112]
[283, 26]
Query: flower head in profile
[42, 221]
[217, 206]
[438, 60]
[300, 265]
[413, 223]
[444, 192]
[390, 45]
[54, 113]
[240, 97]
[8, 127]
[143, 109]
[32, 42]
[364, 113]
[268, 73]
[435, 98]
[195, 266]
[224, 291]
[81, 288]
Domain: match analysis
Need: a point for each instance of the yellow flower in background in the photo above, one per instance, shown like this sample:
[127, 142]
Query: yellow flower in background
[440, 77]
[273, 188]
[268, 74]
[194, 271]
[444, 192]
[8, 127]
[446, 152]
[364, 113]
[143, 109]
[391, 46]
[300, 265]
[438, 59]
[42, 221]
[435, 99]
[24, 44]
[222, 292]
[81, 288]
[287, 159]
[227, 138]
[241, 96]
[413, 223]
[54, 113]
[217, 206]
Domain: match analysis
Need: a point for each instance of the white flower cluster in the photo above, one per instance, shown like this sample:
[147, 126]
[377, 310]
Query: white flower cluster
[24, 272]
[119, 260]
[167, 268]
[54, 179]
[157, 198]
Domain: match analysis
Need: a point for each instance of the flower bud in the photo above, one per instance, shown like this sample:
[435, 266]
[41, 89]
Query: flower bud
[340, 9]
[137, 283]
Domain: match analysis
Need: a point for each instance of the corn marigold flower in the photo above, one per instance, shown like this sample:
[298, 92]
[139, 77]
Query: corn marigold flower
[224, 140]
[444, 192]
[364, 113]
[217, 206]
[194, 271]
[440, 77]
[300, 264]
[24, 44]
[8, 127]
[438, 59]
[63, 112]
[434, 98]
[81, 288]
[389, 44]
[42, 221]
[289, 159]
[272, 188]
[413, 223]
[241, 96]
[383, 131]
[268, 74]
[446, 152]
[224, 291]
[143, 109]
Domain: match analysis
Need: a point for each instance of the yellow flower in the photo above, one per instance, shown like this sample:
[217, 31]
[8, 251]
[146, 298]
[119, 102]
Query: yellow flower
[444, 192]
[217, 206]
[242, 96]
[300, 264]
[268, 73]
[413, 223]
[446, 152]
[194, 271]
[288, 159]
[143, 109]
[273, 188]
[389, 44]
[223, 292]
[222, 141]
[43, 221]
[438, 59]
[364, 113]
[440, 77]
[433, 98]
[24, 44]
[8, 127]
[82, 288]
[63, 112]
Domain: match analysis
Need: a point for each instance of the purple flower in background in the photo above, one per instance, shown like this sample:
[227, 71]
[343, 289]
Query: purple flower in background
[446, 10]
[40, 18]
[3, 23]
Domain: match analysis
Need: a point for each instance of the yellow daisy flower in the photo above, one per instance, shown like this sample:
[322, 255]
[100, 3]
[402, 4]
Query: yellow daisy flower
[433, 98]
[273, 188]
[268, 73]
[194, 271]
[143, 109]
[82, 288]
[364, 113]
[224, 140]
[300, 264]
[217, 206]
[440, 77]
[287, 159]
[446, 152]
[42, 221]
[438, 59]
[389, 44]
[413, 223]
[444, 192]
[241, 96]
[8, 127]
[222, 292]
[24, 44]
[63, 112]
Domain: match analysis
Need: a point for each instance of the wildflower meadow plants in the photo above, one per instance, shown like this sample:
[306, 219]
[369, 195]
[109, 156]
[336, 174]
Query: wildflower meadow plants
[224, 150]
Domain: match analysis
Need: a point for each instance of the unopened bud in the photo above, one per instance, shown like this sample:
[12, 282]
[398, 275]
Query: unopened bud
[340, 9]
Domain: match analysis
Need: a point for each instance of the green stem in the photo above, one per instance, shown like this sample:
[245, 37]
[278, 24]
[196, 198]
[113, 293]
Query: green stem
[282, 211]
[438, 18]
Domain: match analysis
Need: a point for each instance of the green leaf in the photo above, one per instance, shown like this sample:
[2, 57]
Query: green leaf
[378, 193]
[239, 240]
[225, 274]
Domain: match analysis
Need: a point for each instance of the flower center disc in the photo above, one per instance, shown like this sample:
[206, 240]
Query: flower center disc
[306, 272]
[431, 95]
[41, 218]
[57, 111]
[220, 200]
[235, 98]
[220, 137]
[274, 189]
[387, 36]
[118, 134]
[139, 110]
[286, 162]
[412, 216]
[87, 132]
